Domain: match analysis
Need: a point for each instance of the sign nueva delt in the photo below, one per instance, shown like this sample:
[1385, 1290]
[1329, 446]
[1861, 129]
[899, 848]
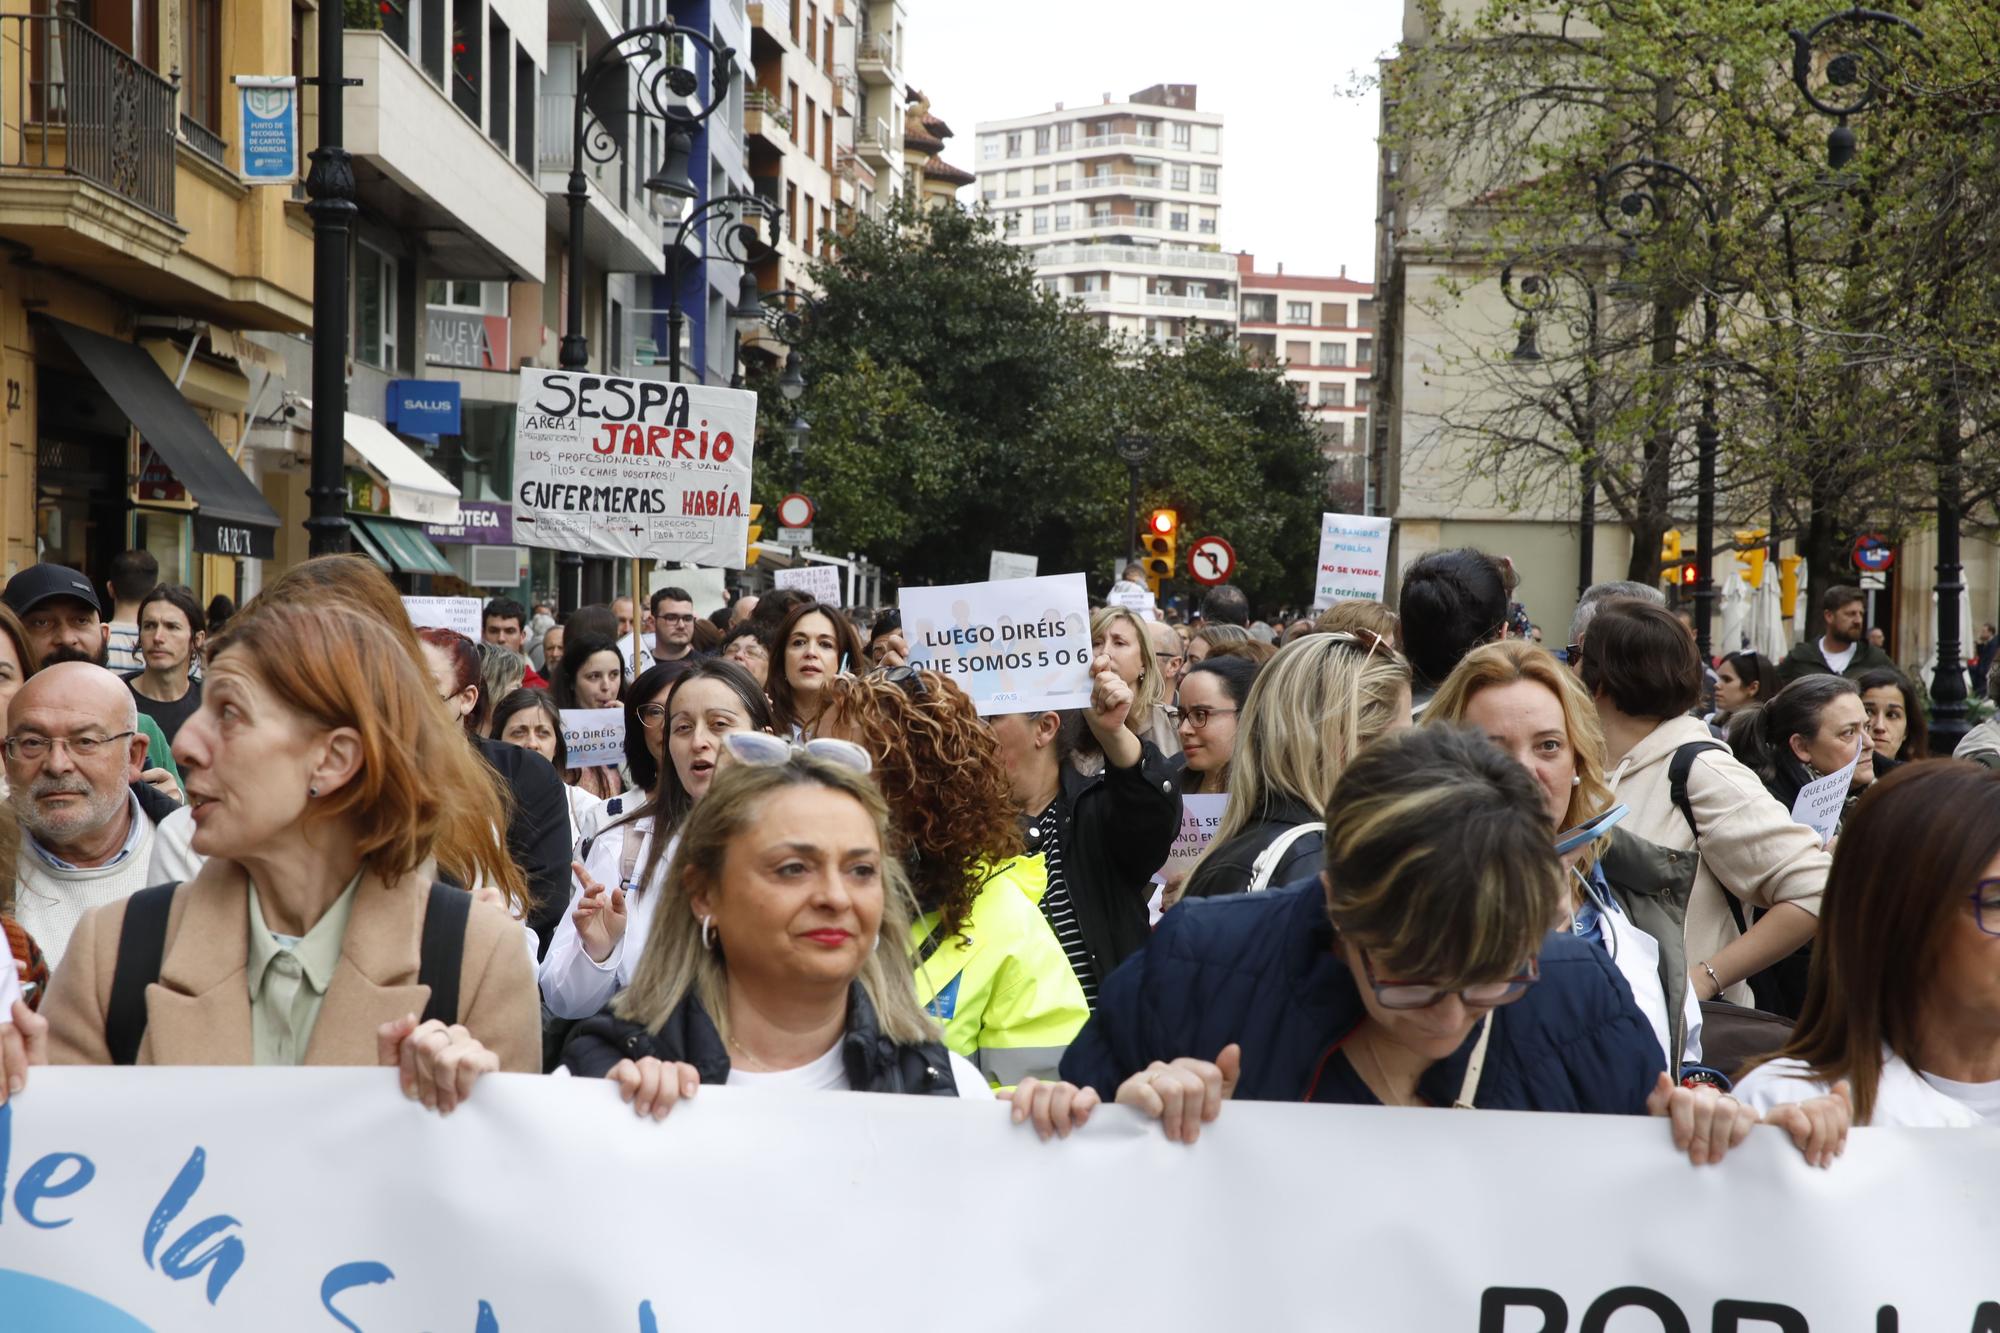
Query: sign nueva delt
[268, 128]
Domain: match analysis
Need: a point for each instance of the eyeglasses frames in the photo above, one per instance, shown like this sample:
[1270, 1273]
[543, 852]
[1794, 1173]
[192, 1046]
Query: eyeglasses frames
[762, 750]
[1422, 995]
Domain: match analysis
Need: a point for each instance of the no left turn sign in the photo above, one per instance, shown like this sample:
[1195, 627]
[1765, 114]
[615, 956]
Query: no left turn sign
[1211, 561]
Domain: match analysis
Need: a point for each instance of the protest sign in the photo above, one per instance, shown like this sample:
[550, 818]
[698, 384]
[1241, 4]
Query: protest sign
[453, 613]
[313, 1198]
[1015, 646]
[1139, 601]
[822, 581]
[1009, 565]
[10, 987]
[1353, 559]
[1201, 816]
[706, 587]
[1820, 801]
[593, 736]
[634, 468]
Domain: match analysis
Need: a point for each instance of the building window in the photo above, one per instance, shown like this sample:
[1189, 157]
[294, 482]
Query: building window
[1041, 221]
[468, 63]
[525, 149]
[1333, 314]
[499, 53]
[826, 139]
[1363, 393]
[1366, 319]
[1013, 223]
[1302, 391]
[1062, 217]
[791, 210]
[1208, 226]
[989, 149]
[1298, 312]
[1333, 395]
[1211, 180]
[1364, 352]
[1178, 219]
[1333, 354]
[1013, 145]
[375, 307]
[988, 196]
[812, 32]
[793, 90]
[806, 240]
[812, 128]
[1065, 134]
[1183, 134]
[1211, 139]
[1180, 176]
[1147, 212]
[1042, 140]
[203, 83]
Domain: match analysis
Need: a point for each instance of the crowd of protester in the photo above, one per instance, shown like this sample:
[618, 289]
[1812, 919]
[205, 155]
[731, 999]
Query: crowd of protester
[1453, 867]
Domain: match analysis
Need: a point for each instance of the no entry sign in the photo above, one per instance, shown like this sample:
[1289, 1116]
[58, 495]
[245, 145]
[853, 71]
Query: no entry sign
[1873, 553]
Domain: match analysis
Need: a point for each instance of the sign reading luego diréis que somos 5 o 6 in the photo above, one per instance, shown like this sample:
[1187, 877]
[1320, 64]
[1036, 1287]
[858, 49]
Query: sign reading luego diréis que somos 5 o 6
[634, 468]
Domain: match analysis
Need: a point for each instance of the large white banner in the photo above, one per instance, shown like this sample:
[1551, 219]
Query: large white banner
[618, 467]
[319, 1199]
[1015, 646]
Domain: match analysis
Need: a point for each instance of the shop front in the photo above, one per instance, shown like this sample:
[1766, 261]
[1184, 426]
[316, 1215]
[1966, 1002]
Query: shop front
[391, 494]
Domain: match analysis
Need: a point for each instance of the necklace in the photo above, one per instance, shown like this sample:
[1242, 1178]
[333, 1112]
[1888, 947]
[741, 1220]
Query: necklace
[1388, 1091]
[751, 1063]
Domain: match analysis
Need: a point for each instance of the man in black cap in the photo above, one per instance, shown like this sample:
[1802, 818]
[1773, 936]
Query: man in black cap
[65, 623]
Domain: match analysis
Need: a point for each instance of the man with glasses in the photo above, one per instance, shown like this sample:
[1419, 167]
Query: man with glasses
[1170, 651]
[673, 630]
[74, 755]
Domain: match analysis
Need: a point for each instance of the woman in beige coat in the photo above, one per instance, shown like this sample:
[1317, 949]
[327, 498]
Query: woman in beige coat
[1640, 666]
[319, 770]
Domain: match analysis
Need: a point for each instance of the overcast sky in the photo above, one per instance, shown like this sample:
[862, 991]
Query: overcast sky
[1298, 152]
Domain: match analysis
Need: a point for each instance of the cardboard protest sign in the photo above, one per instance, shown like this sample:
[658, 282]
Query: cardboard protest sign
[1353, 559]
[453, 613]
[1015, 646]
[822, 581]
[1011, 565]
[593, 736]
[1139, 601]
[1821, 800]
[633, 468]
[1201, 816]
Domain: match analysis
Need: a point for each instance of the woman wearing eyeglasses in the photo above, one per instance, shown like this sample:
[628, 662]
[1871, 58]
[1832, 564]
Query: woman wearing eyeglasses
[1317, 704]
[1205, 713]
[1903, 1003]
[989, 966]
[598, 942]
[1418, 970]
[776, 958]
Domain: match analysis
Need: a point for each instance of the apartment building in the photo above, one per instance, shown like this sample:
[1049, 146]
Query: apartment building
[1121, 206]
[1322, 331]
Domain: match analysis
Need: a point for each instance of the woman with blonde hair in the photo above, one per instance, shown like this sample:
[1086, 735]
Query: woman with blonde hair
[1118, 634]
[320, 771]
[1624, 894]
[777, 953]
[1318, 703]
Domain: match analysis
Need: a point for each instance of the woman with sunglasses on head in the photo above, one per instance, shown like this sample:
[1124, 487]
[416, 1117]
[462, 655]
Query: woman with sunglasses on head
[815, 645]
[776, 958]
[1903, 1003]
[1316, 705]
[1418, 970]
[1000, 977]
[598, 942]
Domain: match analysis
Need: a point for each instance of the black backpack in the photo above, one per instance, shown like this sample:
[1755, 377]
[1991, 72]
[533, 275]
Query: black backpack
[142, 945]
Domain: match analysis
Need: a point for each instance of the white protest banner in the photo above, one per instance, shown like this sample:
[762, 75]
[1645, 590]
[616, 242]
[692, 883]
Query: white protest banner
[1009, 565]
[1139, 601]
[593, 736]
[634, 468]
[822, 581]
[454, 613]
[1201, 816]
[705, 587]
[1353, 559]
[1017, 646]
[321, 1199]
[1820, 801]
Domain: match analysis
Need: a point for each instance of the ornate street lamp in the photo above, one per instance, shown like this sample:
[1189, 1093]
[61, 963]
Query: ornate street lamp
[1134, 449]
[1856, 75]
[1536, 290]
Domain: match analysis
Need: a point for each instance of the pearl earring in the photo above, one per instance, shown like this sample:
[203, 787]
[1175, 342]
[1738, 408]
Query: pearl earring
[312, 793]
[1576, 782]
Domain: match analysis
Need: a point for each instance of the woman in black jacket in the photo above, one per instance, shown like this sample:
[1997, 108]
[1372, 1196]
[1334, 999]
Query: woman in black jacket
[1311, 710]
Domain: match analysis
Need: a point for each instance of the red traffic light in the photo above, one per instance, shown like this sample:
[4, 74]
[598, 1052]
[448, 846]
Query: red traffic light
[1687, 576]
[1164, 521]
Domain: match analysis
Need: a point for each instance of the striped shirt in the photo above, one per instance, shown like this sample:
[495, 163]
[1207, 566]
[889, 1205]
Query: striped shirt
[1057, 906]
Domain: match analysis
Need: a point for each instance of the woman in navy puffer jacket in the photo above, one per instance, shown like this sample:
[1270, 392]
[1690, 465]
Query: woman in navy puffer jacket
[1420, 972]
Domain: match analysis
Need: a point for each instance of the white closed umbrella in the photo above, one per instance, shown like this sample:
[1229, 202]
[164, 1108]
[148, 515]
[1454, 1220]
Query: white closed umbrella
[1769, 635]
[1735, 613]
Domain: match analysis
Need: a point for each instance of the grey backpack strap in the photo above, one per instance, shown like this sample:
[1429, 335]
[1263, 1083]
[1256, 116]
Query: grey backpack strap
[1266, 864]
[1678, 769]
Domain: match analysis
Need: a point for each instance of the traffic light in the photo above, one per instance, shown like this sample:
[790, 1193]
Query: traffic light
[1751, 553]
[756, 531]
[1688, 573]
[1162, 532]
[1670, 548]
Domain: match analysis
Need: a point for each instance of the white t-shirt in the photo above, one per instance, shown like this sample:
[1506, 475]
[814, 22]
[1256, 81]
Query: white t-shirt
[829, 1074]
[1983, 1099]
[1838, 661]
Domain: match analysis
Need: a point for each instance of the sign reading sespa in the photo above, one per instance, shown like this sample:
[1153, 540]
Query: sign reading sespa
[617, 467]
[1016, 646]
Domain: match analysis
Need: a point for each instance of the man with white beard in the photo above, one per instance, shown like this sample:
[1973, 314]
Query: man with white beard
[74, 756]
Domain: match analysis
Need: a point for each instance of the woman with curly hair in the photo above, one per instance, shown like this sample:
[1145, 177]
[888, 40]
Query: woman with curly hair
[989, 967]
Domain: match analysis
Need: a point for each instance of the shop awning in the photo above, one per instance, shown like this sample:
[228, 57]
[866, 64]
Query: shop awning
[417, 491]
[401, 547]
[231, 517]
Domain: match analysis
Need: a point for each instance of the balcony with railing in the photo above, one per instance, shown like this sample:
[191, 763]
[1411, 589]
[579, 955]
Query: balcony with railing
[1204, 261]
[1123, 141]
[872, 141]
[623, 224]
[875, 58]
[78, 107]
[204, 140]
[765, 117]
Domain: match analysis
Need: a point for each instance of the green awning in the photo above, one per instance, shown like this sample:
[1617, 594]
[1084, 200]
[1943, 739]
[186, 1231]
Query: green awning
[365, 545]
[408, 549]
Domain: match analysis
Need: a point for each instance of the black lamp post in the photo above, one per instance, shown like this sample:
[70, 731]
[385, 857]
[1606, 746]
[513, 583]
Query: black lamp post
[738, 233]
[330, 184]
[1134, 449]
[1536, 291]
[1857, 73]
[1634, 211]
[786, 315]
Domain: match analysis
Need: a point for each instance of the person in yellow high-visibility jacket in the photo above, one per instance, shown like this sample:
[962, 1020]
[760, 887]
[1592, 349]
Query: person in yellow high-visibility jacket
[988, 964]
[1001, 987]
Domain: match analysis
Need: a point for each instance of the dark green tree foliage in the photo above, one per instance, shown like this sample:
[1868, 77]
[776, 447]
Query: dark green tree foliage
[956, 407]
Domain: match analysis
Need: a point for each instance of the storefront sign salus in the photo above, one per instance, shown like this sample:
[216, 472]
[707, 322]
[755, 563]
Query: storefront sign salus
[634, 468]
